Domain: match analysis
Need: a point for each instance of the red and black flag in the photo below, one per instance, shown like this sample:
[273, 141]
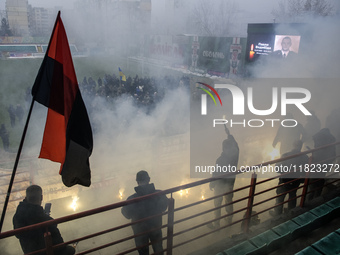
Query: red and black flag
[68, 135]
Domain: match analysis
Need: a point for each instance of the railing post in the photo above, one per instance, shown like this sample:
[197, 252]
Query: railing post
[250, 203]
[48, 243]
[170, 232]
[305, 183]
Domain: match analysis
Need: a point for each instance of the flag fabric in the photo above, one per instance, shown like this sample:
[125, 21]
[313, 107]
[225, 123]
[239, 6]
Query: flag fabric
[67, 137]
[121, 75]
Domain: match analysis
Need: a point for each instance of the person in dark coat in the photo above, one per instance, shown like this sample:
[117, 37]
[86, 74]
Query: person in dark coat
[286, 136]
[19, 112]
[312, 126]
[292, 180]
[5, 137]
[228, 158]
[11, 112]
[333, 124]
[319, 158]
[143, 209]
[30, 212]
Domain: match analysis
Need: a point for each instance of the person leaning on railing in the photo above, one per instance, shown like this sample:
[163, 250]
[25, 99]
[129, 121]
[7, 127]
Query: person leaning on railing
[30, 212]
[228, 158]
[290, 181]
[143, 209]
[286, 136]
[321, 158]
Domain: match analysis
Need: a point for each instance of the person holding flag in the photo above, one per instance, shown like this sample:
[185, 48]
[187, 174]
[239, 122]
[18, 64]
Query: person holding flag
[121, 75]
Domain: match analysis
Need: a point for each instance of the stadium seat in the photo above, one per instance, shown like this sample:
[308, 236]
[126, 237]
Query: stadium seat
[280, 242]
[244, 248]
[259, 251]
[309, 251]
[329, 244]
[307, 223]
[285, 228]
[338, 231]
[268, 238]
[335, 205]
[282, 234]
[323, 213]
[321, 210]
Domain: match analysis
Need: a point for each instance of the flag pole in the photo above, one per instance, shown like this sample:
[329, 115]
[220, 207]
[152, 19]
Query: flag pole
[16, 165]
[21, 145]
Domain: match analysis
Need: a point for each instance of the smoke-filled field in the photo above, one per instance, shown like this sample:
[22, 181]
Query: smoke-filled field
[131, 135]
[145, 124]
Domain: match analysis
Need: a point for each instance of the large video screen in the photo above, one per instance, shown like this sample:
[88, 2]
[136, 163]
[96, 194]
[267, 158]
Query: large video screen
[274, 41]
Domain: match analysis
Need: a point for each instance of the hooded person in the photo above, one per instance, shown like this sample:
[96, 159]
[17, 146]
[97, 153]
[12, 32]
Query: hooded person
[30, 212]
[321, 159]
[289, 181]
[287, 136]
[312, 126]
[227, 160]
[149, 207]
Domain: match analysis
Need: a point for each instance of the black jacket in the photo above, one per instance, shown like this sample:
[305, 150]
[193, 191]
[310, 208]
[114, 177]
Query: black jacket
[327, 155]
[278, 54]
[228, 158]
[29, 214]
[296, 166]
[287, 136]
[146, 208]
[323, 157]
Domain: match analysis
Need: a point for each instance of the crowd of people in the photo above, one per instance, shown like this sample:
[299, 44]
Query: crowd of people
[145, 91]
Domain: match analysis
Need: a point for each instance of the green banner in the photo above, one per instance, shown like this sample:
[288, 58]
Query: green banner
[221, 56]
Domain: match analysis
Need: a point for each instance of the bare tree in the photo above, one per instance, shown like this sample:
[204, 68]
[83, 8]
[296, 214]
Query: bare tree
[299, 10]
[213, 18]
[320, 7]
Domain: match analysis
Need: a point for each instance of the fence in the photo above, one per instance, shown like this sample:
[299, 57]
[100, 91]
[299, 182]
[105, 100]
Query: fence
[186, 223]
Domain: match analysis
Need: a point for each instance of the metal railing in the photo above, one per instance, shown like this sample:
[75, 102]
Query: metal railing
[247, 197]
